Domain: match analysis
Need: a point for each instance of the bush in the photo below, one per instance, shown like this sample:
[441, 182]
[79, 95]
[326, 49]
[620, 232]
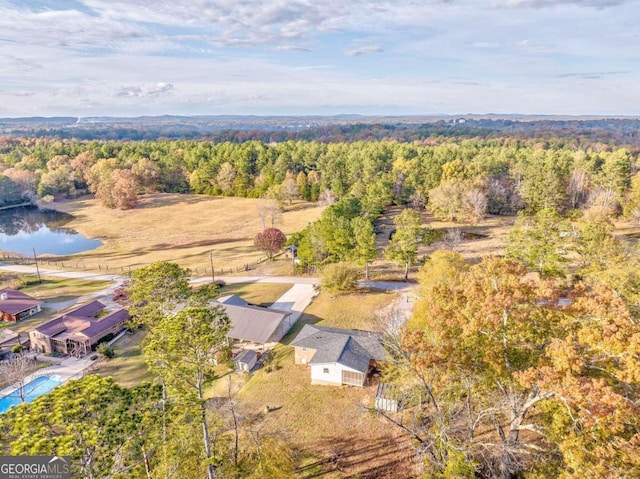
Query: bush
[340, 277]
[105, 351]
[17, 348]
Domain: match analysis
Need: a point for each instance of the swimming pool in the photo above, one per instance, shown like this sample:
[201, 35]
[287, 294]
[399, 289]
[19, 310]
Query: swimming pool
[33, 389]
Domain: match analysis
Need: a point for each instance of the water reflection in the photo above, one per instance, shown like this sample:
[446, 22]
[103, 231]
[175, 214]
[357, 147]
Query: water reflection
[22, 229]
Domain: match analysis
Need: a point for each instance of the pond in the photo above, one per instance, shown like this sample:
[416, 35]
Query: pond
[26, 228]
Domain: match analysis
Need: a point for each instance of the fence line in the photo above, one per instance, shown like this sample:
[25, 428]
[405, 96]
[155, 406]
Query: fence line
[122, 270]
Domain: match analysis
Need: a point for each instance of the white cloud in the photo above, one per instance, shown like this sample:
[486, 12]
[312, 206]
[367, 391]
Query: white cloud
[551, 3]
[195, 56]
[356, 51]
[158, 89]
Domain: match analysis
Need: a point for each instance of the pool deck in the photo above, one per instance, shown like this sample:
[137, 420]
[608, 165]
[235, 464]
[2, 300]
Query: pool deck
[65, 369]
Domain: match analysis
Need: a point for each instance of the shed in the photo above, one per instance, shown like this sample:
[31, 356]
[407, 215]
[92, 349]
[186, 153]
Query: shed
[245, 360]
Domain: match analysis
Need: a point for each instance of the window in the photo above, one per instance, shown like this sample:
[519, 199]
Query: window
[325, 370]
[352, 378]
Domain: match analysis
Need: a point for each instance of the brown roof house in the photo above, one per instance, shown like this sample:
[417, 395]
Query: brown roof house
[338, 356]
[254, 323]
[15, 305]
[76, 331]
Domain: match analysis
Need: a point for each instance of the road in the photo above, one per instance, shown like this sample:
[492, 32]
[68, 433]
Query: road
[386, 285]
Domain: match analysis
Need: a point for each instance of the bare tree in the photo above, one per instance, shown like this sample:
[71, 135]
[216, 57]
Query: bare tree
[14, 371]
[452, 238]
[475, 204]
[326, 198]
[418, 201]
[577, 187]
[289, 190]
[269, 212]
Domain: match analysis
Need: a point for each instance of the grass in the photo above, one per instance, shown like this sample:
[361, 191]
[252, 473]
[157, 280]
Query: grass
[330, 427]
[351, 311]
[198, 224]
[128, 368]
[333, 433]
[56, 290]
[262, 294]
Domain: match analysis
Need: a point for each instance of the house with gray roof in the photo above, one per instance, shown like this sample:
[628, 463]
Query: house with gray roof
[338, 356]
[15, 305]
[254, 324]
[75, 332]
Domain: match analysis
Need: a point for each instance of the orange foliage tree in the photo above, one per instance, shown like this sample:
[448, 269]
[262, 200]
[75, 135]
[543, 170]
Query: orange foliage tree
[511, 377]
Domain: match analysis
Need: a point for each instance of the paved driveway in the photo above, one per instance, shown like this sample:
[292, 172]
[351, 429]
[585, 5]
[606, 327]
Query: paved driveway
[296, 299]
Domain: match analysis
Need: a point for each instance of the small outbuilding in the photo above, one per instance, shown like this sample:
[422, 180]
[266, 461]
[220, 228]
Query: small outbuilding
[15, 305]
[245, 360]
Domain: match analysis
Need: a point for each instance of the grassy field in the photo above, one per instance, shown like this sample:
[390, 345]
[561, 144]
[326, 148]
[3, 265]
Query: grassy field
[262, 294]
[62, 289]
[179, 228]
[128, 367]
[352, 311]
[333, 433]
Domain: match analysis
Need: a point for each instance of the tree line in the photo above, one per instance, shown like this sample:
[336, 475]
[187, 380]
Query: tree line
[508, 175]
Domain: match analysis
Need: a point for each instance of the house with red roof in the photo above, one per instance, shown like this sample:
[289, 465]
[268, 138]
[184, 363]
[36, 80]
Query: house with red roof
[15, 305]
[75, 332]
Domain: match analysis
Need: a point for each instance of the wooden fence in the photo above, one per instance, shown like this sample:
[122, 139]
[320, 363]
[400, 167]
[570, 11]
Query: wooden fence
[69, 264]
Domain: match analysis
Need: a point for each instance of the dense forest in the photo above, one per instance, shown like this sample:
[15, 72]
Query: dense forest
[526, 365]
[341, 128]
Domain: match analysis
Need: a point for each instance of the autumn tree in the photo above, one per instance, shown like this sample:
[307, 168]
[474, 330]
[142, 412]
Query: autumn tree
[508, 377]
[124, 190]
[409, 234]
[289, 189]
[225, 177]
[270, 241]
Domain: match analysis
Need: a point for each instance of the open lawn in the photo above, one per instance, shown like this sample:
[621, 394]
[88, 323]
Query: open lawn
[330, 427]
[351, 311]
[180, 228]
[332, 431]
[262, 294]
[128, 367]
[56, 290]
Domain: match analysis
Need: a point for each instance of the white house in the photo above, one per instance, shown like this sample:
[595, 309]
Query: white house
[338, 356]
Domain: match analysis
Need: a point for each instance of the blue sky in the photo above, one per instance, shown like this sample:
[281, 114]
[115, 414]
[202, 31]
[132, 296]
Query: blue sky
[283, 57]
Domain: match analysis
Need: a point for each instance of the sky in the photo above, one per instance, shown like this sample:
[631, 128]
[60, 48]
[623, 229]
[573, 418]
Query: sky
[319, 57]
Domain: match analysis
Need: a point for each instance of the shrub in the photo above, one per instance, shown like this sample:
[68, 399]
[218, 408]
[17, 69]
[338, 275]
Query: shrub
[17, 348]
[105, 351]
[340, 277]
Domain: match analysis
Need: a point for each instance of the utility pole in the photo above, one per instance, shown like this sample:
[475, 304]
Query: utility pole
[35, 258]
[213, 275]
